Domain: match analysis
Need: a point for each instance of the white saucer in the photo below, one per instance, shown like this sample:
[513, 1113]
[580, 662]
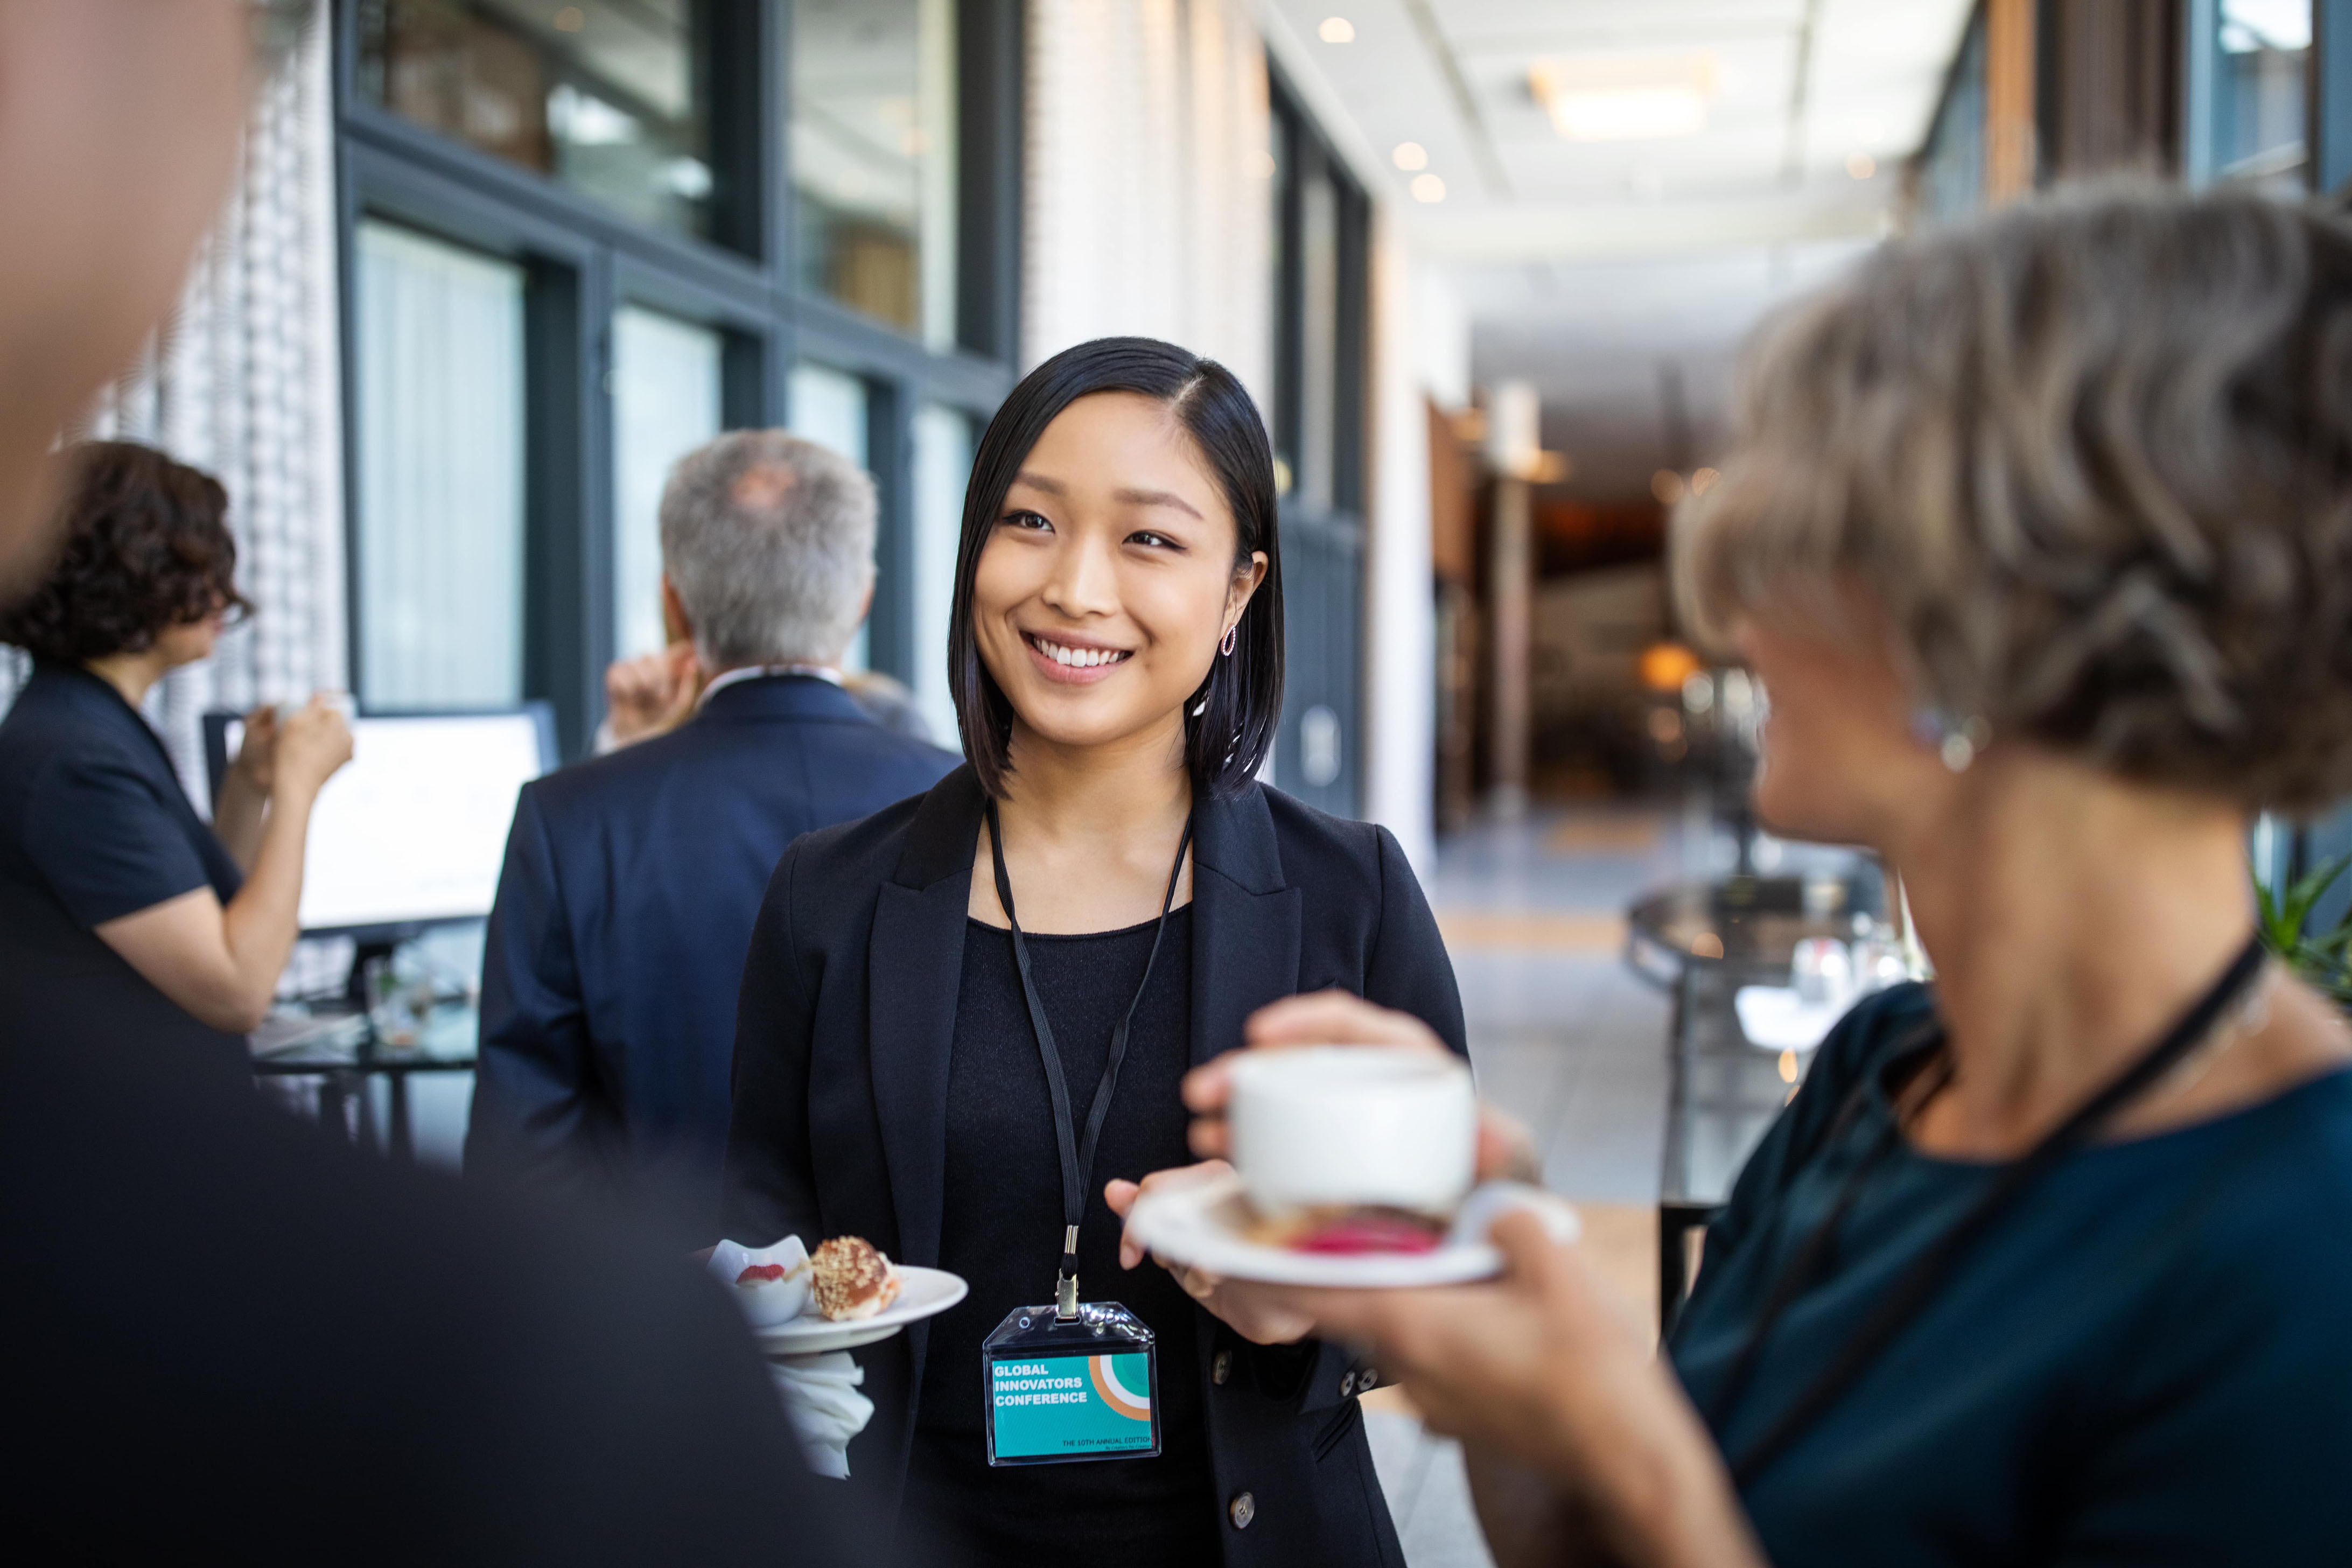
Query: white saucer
[1201, 1227]
[922, 1293]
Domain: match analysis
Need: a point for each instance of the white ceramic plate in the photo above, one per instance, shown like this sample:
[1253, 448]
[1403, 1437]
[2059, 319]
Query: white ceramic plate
[1201, 1227]
[922, 1293]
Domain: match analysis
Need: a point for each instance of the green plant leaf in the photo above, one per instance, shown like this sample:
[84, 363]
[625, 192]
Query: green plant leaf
[2282, 915]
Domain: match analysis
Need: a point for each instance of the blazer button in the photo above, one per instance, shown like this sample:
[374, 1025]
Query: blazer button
[1220, 1367]
[1367, 1378]
[1243, 1508]
[1347, 1384]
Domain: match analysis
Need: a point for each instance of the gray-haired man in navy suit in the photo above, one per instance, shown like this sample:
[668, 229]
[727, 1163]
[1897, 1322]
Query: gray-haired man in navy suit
[632, 880]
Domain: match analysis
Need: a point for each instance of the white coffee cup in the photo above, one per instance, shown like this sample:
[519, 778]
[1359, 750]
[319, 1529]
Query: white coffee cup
[1353, 1125]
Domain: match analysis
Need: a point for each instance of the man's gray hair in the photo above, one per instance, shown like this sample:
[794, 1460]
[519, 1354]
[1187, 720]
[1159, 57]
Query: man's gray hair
[769, 540]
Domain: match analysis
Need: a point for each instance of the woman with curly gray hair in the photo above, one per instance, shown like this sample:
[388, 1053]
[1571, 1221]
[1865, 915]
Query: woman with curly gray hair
[2039, 534]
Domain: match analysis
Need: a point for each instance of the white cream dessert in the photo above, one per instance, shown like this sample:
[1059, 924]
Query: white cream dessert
[771, 1283]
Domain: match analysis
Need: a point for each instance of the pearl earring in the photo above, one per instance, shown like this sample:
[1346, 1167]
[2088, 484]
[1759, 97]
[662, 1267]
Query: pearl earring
[1232, 632]
[1955, 739]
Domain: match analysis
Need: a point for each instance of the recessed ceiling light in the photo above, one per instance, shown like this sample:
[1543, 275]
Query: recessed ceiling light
[1624, 99]
[1411, 155]
[1667, 486]
[1428, 188]
[1860, 165]
[1336, 30]
[1262, 165]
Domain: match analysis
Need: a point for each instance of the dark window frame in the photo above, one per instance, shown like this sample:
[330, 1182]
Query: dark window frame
[583, 260]
[1323, 546]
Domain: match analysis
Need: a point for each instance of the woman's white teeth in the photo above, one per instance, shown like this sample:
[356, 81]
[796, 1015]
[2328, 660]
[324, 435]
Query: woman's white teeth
[1078, 657]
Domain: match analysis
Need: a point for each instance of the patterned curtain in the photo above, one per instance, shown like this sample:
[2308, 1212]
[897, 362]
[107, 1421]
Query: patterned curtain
[242, 381]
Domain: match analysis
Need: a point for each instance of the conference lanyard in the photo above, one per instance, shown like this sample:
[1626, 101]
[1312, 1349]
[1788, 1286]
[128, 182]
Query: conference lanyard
[1078, 1157]
[1919, 1284]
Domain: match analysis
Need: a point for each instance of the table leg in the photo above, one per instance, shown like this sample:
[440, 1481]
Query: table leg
[364, 1122]
[332, 1106]
[404, 1142]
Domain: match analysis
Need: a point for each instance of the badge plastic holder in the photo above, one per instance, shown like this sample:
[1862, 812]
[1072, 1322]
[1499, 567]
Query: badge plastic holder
[1066, 1391]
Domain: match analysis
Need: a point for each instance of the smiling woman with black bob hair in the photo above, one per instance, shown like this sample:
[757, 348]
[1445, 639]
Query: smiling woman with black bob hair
[1227, 741]
[1089, 908]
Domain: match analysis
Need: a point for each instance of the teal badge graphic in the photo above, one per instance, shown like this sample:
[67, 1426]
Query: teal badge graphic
[1074, 1390]
[1066, 1407]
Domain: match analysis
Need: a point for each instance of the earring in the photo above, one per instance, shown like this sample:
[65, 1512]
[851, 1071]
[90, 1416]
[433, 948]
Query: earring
[1232, 632]
[1955, 740]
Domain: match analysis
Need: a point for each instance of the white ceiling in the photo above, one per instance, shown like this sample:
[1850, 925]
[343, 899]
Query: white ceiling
[1586, 266]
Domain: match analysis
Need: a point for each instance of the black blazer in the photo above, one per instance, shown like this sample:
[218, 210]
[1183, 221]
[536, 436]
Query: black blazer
[843, 1035]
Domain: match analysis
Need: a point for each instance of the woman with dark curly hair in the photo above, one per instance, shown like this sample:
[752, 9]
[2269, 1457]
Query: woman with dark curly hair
[91, 814]
[2039, 532]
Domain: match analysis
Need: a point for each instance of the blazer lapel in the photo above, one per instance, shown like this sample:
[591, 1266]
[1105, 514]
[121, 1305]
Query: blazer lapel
[915, 968]
[1245, 921]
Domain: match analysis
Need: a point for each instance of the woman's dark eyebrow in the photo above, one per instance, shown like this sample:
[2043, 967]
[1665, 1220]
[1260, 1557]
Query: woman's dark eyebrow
[1054, 487]
[1156, 497]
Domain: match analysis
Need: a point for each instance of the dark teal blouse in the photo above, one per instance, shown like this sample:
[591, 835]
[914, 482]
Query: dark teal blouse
[2147, 1360]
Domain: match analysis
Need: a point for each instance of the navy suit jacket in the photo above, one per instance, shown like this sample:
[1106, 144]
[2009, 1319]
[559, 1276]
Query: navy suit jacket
[841, 1089]
[616, 943]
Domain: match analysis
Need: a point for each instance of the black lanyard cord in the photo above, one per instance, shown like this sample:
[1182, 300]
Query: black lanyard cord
[1917, 1285]
[1078, 1158]
[1815, 1256]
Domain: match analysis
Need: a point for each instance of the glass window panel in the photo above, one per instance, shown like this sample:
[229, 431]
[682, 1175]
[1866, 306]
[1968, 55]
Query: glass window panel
[828, 407]
[1951, 171]
[666, 402]
[605, 96]
[2258, 52]
[440, 374]
[943, 469]
[872, 145]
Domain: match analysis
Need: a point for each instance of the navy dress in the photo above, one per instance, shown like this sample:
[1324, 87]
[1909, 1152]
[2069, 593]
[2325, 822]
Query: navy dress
[91, 814]
[2148, 1361]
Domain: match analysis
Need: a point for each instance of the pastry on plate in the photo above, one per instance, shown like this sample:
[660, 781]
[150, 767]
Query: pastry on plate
[851, 1279]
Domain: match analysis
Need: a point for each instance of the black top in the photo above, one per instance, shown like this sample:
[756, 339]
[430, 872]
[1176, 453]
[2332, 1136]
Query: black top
[2144, 1361]
[845, 1047]
[90, 810]
[1001, 1229]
